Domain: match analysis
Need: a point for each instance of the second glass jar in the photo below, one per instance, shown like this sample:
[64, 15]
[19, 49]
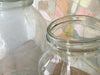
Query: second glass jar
[22, 32]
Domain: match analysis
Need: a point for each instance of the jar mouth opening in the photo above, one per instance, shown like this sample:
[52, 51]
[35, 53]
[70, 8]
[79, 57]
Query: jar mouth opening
[75, 29]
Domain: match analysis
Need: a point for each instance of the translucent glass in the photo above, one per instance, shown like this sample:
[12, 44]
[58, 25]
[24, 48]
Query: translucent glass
[22, 32]
[73, 47]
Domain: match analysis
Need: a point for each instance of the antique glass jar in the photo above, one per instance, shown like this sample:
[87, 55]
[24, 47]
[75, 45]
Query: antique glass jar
[73, 47]
[22, 32]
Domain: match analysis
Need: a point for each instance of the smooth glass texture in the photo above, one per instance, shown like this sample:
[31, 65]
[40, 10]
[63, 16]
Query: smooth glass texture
[73, 47]
[22, 32]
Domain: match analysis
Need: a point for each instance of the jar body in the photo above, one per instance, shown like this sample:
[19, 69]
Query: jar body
[22, 24]
[21, 31]
[56, 63]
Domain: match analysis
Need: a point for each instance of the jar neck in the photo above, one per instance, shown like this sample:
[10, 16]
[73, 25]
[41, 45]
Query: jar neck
[12, 4]
[69, 42]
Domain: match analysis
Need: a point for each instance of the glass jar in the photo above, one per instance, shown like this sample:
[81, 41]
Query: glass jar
[73, 47]
[22, 33]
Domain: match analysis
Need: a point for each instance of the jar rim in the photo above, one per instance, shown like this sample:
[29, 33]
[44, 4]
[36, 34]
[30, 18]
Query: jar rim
[52, 24]
[12, 4]
[80, 45]
[13, 0]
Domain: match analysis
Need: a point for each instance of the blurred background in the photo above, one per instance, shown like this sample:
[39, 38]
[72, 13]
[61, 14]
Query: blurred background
[53, 9]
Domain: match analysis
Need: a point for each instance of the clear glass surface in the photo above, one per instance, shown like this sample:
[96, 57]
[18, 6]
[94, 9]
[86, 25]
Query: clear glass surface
[22, 34]
[73, 47]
